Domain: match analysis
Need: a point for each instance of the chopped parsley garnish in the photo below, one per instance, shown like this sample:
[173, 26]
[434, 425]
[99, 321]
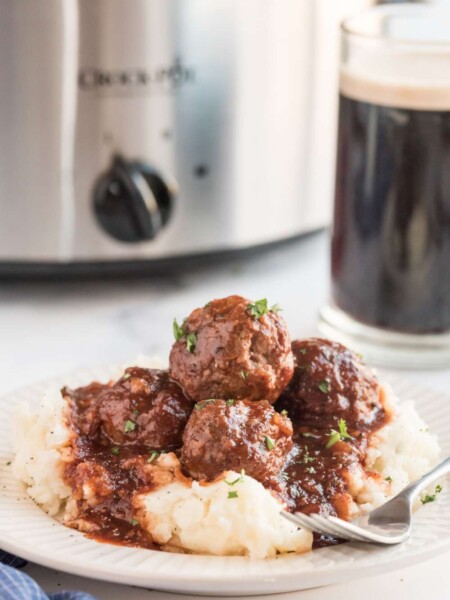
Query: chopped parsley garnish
[341, 435]
[178, 331]
[306, 456]
[333, 438]
[284, 413]
[276, 308]
[303, 351]
[240, 479]
[324, 386]
[204, 403]
[230, 402]
[134, 522]
[310, 470]
[115, 450]
[153, 455]
[191, 341]
[260, 307]
[129, 426]
[244, 375]
[431, 498]
[126, 376]
[233, 494]
[284, 476]
[388, 479]
[269, 442]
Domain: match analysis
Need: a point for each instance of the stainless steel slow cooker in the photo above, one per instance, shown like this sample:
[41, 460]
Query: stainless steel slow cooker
[138, 130]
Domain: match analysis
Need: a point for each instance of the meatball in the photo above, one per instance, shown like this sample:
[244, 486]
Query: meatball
[330, 383]
[144, 407]
[232, 348]
[232, 435]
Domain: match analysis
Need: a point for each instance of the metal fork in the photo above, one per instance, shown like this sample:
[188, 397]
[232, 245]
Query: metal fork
[388, 524]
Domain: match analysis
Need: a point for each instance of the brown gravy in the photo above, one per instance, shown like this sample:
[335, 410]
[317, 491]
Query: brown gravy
[315, 478]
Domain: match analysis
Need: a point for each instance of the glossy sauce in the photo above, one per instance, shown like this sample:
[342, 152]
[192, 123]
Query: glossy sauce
[314, 478]
[112, 519]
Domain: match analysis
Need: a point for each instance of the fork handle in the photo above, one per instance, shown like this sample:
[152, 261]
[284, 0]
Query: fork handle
[413, 489]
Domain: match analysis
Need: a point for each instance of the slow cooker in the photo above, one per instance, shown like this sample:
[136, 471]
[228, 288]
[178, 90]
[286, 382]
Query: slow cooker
[135, 131]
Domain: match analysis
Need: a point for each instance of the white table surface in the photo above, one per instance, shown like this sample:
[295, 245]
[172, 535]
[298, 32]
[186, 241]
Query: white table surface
[49, 328]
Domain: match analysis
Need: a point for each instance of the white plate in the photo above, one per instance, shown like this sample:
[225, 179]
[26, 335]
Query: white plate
[25, 530]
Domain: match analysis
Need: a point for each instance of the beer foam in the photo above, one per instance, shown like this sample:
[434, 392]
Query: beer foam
[408, 93]
[398, 55]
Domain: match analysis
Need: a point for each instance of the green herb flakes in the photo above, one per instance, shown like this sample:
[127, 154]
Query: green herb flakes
[307, 458]
[240, 479]
[426, 498]
[230, 402]
[126, 376]
[310, 470]
[284, 413]
[204, 403]
[191, 341]
[270, 444]
[233, 494]
[388, 479]
[153, 456]
[134, 522]
[244, 375]
[178, 331]
[341, 435]
[129, 426]
[276, 308]
[333, 438]
[115, 450]
[324, 386]
[260, 307]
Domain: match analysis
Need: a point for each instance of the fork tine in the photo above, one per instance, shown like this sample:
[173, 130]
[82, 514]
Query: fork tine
[349, 531]
[303, 521]
[338, 528]
[357, 533]
[299, 519]
[326, 525]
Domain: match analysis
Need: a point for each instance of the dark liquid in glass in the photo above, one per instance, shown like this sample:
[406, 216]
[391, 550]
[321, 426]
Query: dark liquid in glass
[391, 238]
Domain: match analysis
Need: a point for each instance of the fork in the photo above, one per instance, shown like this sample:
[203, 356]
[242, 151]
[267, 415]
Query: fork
[388, 524]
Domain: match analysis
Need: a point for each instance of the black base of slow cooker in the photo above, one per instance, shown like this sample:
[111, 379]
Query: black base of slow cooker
[20, 270]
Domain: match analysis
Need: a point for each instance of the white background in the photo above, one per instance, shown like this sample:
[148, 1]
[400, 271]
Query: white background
[49, 328]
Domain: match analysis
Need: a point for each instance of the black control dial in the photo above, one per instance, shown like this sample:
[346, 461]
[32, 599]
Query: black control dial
[132, 202]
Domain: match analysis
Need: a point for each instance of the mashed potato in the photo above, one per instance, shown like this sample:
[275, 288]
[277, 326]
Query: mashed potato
[217, 518]
[399, 453]
[240, 517]
[41, 443]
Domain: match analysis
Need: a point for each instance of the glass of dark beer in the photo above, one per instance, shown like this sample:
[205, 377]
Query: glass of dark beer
[390, 259]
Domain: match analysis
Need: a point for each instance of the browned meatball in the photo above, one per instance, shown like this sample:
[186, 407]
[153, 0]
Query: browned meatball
[144, 407]
[233, 435]
[331, 382]
[231, 348]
